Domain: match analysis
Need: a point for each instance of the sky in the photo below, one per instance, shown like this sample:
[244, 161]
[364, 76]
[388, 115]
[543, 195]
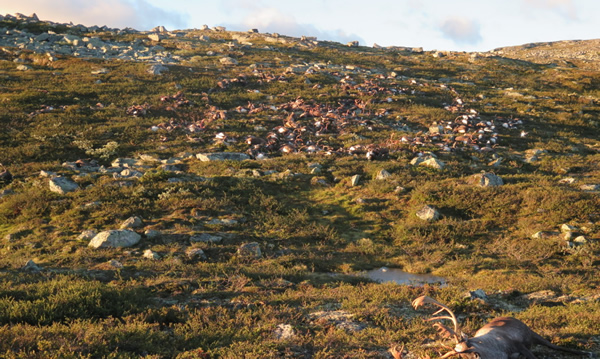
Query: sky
[454, 25]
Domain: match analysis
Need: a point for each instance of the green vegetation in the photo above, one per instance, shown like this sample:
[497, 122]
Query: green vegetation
[315, 230]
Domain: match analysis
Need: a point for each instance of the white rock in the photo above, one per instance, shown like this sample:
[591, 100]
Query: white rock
[428, 213]
[206, 238]
[250, 251]
[354, 180]
[62, 185]
[87, 235]
[228, 61]
[150, 254]
[115, 238]
[486, 180]
[131, 222]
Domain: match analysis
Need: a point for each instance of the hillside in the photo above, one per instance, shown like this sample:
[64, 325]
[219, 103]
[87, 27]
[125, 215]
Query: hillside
[205, 193]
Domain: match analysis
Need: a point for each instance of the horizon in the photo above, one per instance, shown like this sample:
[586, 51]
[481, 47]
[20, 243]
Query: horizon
[463, 25]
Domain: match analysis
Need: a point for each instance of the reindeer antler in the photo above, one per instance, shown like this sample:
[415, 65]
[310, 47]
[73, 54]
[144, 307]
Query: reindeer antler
[456, 333]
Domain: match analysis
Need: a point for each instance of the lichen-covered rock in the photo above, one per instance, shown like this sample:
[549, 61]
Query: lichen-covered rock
[428, 213]
[486, 180]
[62, 185]
[222, 156]
[250, 251]
[131, 222]
[115, 239]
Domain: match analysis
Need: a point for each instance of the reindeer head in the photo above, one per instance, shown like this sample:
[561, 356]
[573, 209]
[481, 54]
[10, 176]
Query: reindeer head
[462, 348]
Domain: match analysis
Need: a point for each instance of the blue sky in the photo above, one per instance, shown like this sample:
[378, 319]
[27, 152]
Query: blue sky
[467, 25]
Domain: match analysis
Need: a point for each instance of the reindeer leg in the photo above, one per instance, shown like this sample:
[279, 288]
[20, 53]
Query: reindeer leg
[524, 351]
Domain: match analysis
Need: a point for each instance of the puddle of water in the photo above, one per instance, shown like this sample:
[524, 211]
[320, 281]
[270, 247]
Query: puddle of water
[399, 276]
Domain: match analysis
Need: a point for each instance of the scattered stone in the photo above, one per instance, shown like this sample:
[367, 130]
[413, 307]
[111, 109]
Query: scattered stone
[477, 294]
[354, 180]
[115, 264]
[23, 67]
[496, 163]
[428, 161]
[284, 332]
[131, 222]
[195, 253]
[150, 254]
[62, 185]
[31, 266]
[353, 44]
[486, 180]
[228, 61]
[428, 213]
[155, 37]
[223, 221]
[6, 192]
[87, 235]
[250, 251]
[567, 228]
[156, 69]
[222, 156]
[101, 71]
[152, 233]
[340, 318]
[590, 187]
[383, 174]
[545, 235]
[580, 240]
[115, 239]
[206, 238]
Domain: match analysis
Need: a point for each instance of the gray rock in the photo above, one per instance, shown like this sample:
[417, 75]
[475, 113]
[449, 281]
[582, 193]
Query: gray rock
[150, 254]
[131, 222]
[222, 156]
[87, 235]
[195, 253]
[155, 37]
[62, 185]
[152, 233]
[115, 239]
[382, 174]
[428, 213]
[567, 228]
[284, 332]
[31, 266]
[590, 187]
[23, 67]
[354, 180]
[250, 251]
[433, 163]
[486, 180]
[206, 238]
[156, 69]
[228, 61]
[115, 264]
[477, 294]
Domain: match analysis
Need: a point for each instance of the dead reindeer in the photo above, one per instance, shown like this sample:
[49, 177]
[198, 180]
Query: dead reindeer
[502, 338]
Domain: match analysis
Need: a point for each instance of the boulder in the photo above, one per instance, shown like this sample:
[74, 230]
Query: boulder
[115, 239]
[131, 222]
[31, 266]
[195, 253]
[428, 213]
[222, 156]
[205, 238]
[228, 61]
[284, 332]
[150, 254]
[62, 185]
[156, 69]
[382, 174]
[486, 180]
[87, 235]
[250, 251]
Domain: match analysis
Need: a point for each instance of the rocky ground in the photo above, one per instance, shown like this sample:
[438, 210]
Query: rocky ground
[222, 192]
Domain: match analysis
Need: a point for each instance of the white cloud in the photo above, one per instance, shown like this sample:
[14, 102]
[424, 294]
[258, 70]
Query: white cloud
[565, 8]
[272, 20]
[138, 14]
[461, 31]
